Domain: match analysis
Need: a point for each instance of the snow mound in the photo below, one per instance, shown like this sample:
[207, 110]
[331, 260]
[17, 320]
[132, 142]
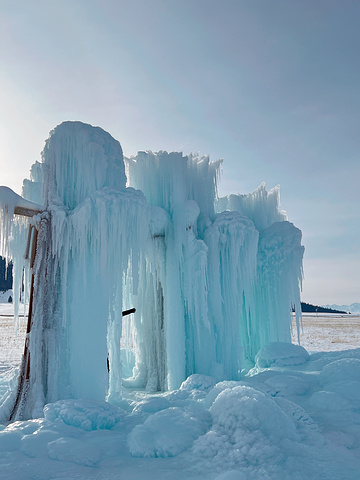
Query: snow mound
[198, 382]
[281, 354]
[152, 405]
[9, 200]
[84, 414]
[286, 385]
[220, 387]
[305, 426]
[329, 401]
[345, 369]
[341, 377]
[245, 409]
[168, 432]
[248, 428]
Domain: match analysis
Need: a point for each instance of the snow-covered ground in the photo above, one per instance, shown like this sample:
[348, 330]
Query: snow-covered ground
[328, 333]
[297, 416]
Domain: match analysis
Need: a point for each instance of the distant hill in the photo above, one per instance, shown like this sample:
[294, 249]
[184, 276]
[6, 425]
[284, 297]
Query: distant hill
[353, 308]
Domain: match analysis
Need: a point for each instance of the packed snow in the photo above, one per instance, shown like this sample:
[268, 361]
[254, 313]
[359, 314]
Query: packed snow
[203, 380]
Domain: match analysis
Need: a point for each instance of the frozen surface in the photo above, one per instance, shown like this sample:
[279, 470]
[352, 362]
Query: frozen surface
[286, 421]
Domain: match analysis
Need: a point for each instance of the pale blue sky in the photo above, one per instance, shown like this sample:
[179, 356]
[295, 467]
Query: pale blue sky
[271, 86]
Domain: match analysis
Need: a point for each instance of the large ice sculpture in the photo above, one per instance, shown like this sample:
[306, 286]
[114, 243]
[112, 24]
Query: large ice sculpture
[212, 280]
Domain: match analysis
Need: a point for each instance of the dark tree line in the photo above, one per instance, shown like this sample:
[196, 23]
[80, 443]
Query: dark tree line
[308, 308]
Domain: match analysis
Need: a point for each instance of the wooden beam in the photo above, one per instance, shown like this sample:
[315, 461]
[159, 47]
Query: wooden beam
[26, 211]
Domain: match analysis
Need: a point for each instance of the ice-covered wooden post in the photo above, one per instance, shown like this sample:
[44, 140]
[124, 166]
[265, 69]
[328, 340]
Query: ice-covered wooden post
[13, 204]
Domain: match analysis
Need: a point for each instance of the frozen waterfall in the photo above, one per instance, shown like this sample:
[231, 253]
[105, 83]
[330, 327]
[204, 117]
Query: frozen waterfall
[212, 279]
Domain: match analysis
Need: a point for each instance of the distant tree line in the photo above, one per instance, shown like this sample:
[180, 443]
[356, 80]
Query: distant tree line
[308, 308]
[6, 278]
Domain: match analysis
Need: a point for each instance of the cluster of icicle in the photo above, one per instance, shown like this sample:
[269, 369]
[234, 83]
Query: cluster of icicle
[219, 277]
[212, 280]
[13, 235]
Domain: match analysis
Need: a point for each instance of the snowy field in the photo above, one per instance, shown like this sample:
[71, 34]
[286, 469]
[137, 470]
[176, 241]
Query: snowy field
[296, 417]
[329, 333]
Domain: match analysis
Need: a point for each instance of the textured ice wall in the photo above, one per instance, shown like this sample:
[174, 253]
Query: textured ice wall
[173, 324]
[33, 187]
[233, 243]
[261, 206]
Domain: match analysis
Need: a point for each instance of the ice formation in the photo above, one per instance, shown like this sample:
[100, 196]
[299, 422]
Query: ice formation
[212, 280]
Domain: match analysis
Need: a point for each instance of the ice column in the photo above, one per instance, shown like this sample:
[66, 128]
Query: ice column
[93, 230]
[181, 190]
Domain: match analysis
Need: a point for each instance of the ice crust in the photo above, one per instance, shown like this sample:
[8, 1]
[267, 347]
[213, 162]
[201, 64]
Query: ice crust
[213, 280]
